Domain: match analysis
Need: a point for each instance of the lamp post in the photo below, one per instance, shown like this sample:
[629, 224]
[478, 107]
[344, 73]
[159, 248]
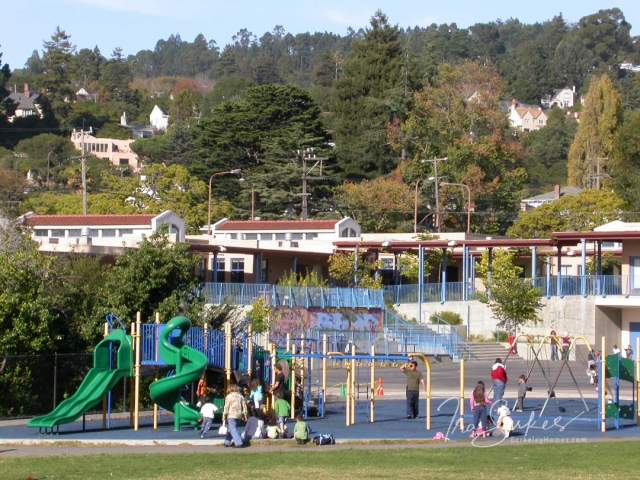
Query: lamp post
[235, 171]
[468, 190]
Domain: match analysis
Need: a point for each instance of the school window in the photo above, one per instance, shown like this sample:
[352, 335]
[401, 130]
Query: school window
[296, 236]
[57, 233]
[218, 274]
[387, 263]
[250, 236]
[109, 232]
[74, 232]
[566, 270]
[237, 270]
[280, 236]
[311, 235]
[41, 233]
[266, 236]
[126, 231]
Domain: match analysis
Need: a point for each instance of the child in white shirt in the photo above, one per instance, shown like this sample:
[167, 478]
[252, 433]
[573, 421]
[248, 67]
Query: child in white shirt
[208, 411]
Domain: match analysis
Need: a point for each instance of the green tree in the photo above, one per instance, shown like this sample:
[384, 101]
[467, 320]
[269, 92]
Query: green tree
[581, 212]
[625, 161]
[156, 277]
[379, 205]
[546, 150]
[6, 105]
[115, 77]
[513, 302]
[371, 77]
[600, 118]
[344, 273]
[45, 151]
[259, 315]
[57, 58]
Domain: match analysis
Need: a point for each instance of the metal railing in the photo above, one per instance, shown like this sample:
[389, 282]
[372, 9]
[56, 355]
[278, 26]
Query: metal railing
[276, 295]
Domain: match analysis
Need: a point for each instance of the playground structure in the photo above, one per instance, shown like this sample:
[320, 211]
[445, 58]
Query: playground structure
[302, 373]
[188, 351]
[610, 367]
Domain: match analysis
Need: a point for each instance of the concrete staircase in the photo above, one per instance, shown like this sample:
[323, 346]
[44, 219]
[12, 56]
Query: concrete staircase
[486, 352]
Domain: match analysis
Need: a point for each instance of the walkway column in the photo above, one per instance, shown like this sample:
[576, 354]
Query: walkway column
[443, 284]
[420, 281]
[465, 272]
[583, 277]
[548, 277]
[214, 267]
[489, 270]
[534, 265]
[559, 276]
[599, 267]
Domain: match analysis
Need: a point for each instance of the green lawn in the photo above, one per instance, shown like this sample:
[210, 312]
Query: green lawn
[526, 462]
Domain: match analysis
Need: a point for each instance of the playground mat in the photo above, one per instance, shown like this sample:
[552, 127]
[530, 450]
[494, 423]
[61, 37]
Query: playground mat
[566, 419]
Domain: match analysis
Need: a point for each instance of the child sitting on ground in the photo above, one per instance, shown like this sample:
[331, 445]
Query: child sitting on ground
[208, 411]
[282, 410]
[523, 388]
[301, 431]
[505, 422]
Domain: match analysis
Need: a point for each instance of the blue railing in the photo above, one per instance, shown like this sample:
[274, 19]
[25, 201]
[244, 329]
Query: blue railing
[276, 295]
[549, 286]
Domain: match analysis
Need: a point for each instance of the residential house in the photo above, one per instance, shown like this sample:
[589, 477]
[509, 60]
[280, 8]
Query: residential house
[562, 98]
[548, 197]
[158, 119]
[630, 67]
[526, 118]
[26, 103]
[117, 151]
[83, 95]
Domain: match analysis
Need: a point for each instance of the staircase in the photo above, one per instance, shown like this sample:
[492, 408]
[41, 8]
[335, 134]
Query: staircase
[486, 352]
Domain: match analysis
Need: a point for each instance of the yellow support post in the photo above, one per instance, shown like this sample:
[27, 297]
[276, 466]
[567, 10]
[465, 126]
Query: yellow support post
[603, 386]
[638, 380]
[462, 395]
[292, 383]
[272, 355]
[227, 356]
[324, 369]
[353, 384]
[136, 407]
[132, 381]
[156, 410]
[348, 399]
[372, 384]
[104, 399]
[250, 350]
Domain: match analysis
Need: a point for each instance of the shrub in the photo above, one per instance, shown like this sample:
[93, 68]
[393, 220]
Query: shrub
[452, 318]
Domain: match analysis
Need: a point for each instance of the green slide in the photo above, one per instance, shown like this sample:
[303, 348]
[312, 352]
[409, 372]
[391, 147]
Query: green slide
[189, 364]
[97, 383]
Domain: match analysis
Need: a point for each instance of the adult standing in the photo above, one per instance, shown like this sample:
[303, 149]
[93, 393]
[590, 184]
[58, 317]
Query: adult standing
[414, 380]
[499, 377]
[277, 389]
[566, 344]
[235, 410]
[553, 339]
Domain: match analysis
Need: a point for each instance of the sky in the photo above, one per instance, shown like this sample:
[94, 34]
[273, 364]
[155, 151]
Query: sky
[134, 25]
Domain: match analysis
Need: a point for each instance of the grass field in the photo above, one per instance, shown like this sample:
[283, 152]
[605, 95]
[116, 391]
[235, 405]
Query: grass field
[527, 462]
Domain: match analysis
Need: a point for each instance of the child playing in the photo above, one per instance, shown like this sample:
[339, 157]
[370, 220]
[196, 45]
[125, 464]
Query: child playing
[479, 403]
[592, 373]
[301, 431]
[256, 396]
[522, 392]
[283, 410]
[208, 411]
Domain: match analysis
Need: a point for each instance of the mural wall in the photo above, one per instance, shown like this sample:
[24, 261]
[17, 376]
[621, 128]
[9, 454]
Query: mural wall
[297, 320]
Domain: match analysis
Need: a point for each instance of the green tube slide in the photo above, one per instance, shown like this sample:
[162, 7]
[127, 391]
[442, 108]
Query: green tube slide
[96, 384]
[189, 365]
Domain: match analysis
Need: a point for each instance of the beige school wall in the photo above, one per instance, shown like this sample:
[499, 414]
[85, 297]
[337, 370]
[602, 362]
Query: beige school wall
[576, 315]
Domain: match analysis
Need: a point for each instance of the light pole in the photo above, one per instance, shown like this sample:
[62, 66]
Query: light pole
[235, 171]
[468, 190]
[435, 162]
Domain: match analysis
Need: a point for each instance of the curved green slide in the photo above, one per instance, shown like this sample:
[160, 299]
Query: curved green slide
[189, 364]
[95, 385]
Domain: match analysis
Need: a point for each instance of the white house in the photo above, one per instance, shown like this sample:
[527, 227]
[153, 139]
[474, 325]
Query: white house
[158, 119]
[548, 197]
[527, 118]
[630, 67]
[99, 234]
[26, 103]
[561, 98]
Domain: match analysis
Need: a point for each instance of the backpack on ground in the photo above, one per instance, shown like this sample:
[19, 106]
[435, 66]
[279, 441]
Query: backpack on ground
[324, 439]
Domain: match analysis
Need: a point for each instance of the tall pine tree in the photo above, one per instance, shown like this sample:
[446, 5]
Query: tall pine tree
[594, 141]
[363, 100]
[56, 80]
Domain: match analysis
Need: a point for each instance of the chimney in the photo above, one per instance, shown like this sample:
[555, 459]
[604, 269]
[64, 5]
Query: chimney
[556, 191]
[26, 92]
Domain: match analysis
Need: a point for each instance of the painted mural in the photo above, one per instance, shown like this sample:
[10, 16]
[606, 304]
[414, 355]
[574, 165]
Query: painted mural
[295, 320]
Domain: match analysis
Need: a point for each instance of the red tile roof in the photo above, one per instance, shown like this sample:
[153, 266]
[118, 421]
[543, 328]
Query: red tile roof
[285, 225]
[88, 220]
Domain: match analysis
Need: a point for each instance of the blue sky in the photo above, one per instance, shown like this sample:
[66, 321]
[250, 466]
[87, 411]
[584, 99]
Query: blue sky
[137, 24]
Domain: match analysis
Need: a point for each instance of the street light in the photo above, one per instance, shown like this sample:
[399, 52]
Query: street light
[235, 171]
[468, 190]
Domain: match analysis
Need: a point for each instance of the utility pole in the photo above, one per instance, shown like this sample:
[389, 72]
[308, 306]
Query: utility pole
[435, 162]
[306, 155]
[83, 165]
